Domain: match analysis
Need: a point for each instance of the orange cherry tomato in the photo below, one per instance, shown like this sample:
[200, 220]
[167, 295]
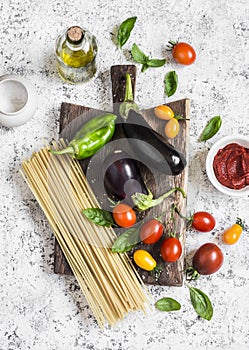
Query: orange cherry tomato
[144, 260]
[172, 128]
[164, 112]
[124, 215]
[233, 233]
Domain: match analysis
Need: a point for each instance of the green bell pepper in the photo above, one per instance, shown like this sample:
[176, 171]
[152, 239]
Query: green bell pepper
[91, 137]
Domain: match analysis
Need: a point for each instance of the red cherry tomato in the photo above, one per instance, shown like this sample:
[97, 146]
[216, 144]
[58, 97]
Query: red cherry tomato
[171, 249]
[208, 259]
[151, 231]
[203, 221]
[124, 215]
[183, 53]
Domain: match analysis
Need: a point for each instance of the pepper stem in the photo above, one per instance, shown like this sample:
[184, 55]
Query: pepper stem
[167, 194]
[69, 150]
[145, 201]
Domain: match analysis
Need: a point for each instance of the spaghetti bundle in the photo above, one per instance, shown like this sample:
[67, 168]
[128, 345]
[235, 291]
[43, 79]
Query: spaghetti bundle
[108, 280]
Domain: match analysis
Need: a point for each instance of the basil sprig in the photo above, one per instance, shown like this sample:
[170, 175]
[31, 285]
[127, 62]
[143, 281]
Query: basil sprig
[168, 304]
[171, 83]
[125, 29]
[201, 303]
[127, 240]
[99, 216]
[212, 127]
[140, 57]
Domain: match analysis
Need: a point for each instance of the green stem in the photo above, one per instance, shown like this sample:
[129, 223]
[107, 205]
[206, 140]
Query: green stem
[179, 117]
[63, 151]
[145, 201]
[240, 222]
[128, 100]
[128, 89]
[159, 200]
[180, 214]
[192, 274]
[171, 44]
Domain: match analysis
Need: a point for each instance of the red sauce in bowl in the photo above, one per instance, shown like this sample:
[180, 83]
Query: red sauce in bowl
[231, 166]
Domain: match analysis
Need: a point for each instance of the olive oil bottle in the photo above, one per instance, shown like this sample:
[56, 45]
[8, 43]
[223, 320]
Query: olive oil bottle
[76, 51]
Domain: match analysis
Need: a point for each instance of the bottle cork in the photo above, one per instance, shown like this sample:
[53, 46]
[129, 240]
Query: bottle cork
[75, 35]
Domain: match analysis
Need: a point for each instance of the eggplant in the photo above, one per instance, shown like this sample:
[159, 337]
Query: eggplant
[122, 177]
[150, 148]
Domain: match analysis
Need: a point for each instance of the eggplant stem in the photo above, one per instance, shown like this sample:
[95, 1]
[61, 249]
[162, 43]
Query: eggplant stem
[66, 150]
[128, 89]
[128, 103]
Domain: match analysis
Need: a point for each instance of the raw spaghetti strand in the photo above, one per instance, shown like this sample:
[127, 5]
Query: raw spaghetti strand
[90, 252]
[87, 222]
[95, 286]
[108, 280]
[74, 222]
[93, 304]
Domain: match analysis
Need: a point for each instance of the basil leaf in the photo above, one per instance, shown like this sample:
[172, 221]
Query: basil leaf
[126, 241]
[212, 127]
[138, 55]
[99, 216]
[125, 29]
[144, 67]
[156, 62]
[201, 303]
[168, 304]
[171, 82]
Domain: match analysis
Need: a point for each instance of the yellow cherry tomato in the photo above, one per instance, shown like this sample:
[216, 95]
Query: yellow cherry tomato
[172, 128]
[233, 233]
[144, 260]
[164, 112]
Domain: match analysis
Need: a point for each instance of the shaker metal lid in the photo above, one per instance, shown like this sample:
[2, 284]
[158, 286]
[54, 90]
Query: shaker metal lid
[75, 35]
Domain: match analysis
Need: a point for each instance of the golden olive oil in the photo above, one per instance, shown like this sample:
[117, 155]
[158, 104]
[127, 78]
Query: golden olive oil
[76, 51]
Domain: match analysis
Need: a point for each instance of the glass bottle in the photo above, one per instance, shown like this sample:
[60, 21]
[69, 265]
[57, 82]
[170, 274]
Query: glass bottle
[76, 51]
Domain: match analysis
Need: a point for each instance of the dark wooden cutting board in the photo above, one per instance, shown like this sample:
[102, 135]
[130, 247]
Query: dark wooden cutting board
[73, 116]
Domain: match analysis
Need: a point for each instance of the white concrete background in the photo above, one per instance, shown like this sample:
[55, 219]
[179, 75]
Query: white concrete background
[40, 310]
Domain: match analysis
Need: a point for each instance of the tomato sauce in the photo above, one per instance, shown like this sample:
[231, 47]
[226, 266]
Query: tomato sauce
[231, 166]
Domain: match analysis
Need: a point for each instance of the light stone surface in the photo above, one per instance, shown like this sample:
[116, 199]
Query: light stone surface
[40, 310]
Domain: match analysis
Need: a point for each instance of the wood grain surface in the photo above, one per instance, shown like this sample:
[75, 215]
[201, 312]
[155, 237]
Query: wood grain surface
[73, 116]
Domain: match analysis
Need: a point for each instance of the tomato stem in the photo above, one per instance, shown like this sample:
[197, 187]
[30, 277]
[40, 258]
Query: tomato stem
[188, 219]
[179, 117]
[240, 222]
[192, 274]
[112, 202]
[171, 44]
[156, 272]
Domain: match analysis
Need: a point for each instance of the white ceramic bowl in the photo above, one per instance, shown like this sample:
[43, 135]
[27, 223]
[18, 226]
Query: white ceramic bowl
[18, 100]
[241, 140]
